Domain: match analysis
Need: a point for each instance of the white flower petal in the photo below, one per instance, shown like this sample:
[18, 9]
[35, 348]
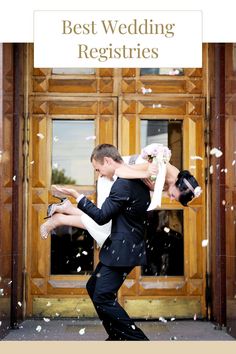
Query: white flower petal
[38, 328]
[166, 229]
[204, 243]
[196, 158]
[92, 137]
[216, 152]
[40, 135]
[79, 269]
[46, 319]
[82, 331]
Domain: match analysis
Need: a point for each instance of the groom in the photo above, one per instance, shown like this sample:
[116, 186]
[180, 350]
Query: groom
[124, 249]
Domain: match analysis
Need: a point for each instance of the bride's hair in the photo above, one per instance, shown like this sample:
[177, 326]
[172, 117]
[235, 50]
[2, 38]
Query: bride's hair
[105, 150]
[187, 184]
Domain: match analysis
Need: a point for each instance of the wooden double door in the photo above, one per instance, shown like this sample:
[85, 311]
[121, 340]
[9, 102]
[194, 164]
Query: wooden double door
[68, 115]
[173, 284]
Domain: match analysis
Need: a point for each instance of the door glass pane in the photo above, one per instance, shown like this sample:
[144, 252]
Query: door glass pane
[72, 145]
[162, 71]
[73, 71]
[71, 251]
[166, 132]
[165, 243]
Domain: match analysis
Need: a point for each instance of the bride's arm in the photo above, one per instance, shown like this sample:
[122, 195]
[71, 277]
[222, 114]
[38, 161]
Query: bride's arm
[143, 170]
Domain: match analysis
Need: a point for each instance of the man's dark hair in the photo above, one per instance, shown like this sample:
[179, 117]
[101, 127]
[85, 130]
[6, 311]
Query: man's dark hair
[186, 195]
[105, 150]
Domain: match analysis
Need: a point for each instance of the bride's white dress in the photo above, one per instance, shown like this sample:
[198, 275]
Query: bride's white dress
[99, 232]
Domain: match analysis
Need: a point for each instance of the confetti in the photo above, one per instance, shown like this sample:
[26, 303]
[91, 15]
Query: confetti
[38, 329]
[46, 319]
[162, 319]
[232, 208]
[14, 178]
[92, 137]
[204, 243]
[195, 317]
[133, 326]
[9, 282]
[41, 136]
[211, 169]
[78, 255]
[32, 162]
[159, 105]
[196, 158]
[49, 304]
[166, 229]
[79, 269]
[56, 139]
[144, 90]
[172, 319]
[223, 202]
[216, 152]
[0, 323]
[57, 314]
[173, 338]
[85, 253]
[19, 303]
[233, 163]
[82, 331]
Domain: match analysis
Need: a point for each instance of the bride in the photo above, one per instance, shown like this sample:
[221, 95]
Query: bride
[179, 185]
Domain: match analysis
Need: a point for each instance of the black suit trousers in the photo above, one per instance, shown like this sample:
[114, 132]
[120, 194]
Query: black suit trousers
[102, 288]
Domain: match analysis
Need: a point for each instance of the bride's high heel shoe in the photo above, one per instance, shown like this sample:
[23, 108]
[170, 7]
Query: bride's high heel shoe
[52, 207]
[58, 208]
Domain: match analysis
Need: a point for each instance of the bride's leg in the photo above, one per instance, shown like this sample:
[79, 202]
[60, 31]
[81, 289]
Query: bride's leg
[59, 220]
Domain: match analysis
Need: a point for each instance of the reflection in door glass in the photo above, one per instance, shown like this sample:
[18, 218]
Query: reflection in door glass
[166, 132]
[71, 251]
[72, 145]
[164, 243]
[162, 71]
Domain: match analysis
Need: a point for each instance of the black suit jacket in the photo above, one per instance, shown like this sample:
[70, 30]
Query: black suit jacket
[127, 207]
